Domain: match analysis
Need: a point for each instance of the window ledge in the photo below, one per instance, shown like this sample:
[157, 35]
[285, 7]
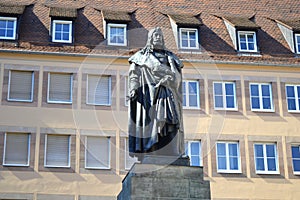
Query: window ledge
[54, 166]
[263, 111]
[297, 173]
[98, 168]
[59, 102]
[294, 111]
[19, 100]
[268, 173]
[252, 54]
[190, 51]
[230, 172]
[15, 165]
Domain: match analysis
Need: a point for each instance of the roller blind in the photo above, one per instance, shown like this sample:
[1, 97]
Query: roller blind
[20, 86]
[17, 149]
[60, 87]
[97, 152]
[98, 90]
[57, 151]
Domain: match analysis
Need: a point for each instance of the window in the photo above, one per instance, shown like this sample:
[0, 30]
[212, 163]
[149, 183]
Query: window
[261, 97]
[247, 41]
[188, 38]
[117, 34]
[297, 42]
[62, 31]
[57, 151]
[228, 158]
[20, 86]
[129, 161]
[8, 27]
[224, 96]
[59, 88]
[193, 150]
[190, 94]
[97, 152]
[293, 97]
[99, 90]
[16, 149]
[296, 159]
[265, 159]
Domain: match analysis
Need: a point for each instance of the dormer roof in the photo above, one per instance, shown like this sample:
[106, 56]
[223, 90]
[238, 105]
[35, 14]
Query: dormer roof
[184, 19]
[241, 22]
[294, 25]
[116, 15]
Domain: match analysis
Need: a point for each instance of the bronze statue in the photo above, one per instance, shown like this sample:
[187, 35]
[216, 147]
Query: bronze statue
[155, 100]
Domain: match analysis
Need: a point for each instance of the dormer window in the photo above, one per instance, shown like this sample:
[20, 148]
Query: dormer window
[290, 30]
[188, 38]
[247, 41]
[243, 33]
[115, 27]
[186, 31]
[8, 28]
[62, 24]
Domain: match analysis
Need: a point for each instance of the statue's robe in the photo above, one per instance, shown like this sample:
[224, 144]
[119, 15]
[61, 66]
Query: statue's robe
[156, 113]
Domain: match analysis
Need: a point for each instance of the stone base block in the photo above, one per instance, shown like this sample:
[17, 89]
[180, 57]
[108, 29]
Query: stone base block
[153, 182]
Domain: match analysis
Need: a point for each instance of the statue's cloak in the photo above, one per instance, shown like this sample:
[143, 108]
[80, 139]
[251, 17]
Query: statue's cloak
[156, 104]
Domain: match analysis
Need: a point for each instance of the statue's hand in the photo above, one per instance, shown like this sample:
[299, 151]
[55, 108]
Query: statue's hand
[133, 95]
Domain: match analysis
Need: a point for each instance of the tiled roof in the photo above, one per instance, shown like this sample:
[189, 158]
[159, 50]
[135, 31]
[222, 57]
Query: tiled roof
[241, 22]
[116, 15]
[63, 12]
[13, 7]
[185, 19]
[215, 41]
[292, 24]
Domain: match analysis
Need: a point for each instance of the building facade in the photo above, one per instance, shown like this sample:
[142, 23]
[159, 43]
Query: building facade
[63, 92]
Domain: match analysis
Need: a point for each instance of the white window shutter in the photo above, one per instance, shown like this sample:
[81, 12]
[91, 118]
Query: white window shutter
[57, 151]
[17, 149]
[97, 152]
[98, 90]
[20, 85]
[60, 87]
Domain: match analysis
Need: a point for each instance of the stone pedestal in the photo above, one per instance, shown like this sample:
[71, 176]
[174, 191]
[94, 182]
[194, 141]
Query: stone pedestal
[175, 181]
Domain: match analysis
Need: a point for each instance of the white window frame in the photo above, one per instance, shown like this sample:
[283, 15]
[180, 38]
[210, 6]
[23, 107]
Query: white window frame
[9, 85]
[189, 151]
[69, 156]
[126, 152]
[14, 19]
[228, 170]
[187, 95]
[295, 97]
[261, 97]
[224, 96]
[124, 26]
[254, 38]
[297, 42]
[298, 146]
[28, 149]
[266, 171]
[109, 154]
[54, 23]
[188, 30]
[109, 91]
[71, 89]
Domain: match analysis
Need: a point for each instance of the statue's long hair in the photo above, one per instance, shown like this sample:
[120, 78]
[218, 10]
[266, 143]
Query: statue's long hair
[149, 46]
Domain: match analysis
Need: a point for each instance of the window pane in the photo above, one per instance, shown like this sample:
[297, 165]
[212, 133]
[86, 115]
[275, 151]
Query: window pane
[192, 88]
[243, 38]
[298, 91]
[270, 150]
[193, 101]
[184, 43]
[60, 87]
[16, 149]
[243, 46]
[230, 102]
[291, 104]
[20, 85]
[195, 161]
[255, 103]
[221, 149]
[218, 102]
[65, 36]
[233, 149]
[271, 164]
[229, 89]
[266, 103]
[184, 35]
[254, 90]
[58, 27]
[234, 163]
[222, 163]
[195, 148]
[296, 152]
[265, 90]
[250, 38]
[251, 46]
[66, 28]
[258, 150]
[290, 91]
[2, 33]
[57, 36]
[218, 89]
[296, 165]
[184, 100]
[2, 24]
[260, 164]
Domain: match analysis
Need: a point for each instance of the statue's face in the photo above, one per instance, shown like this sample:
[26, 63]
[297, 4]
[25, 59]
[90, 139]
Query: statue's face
[157, 39]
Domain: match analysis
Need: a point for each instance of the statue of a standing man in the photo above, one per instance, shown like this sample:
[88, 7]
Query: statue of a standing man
[155, 100]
